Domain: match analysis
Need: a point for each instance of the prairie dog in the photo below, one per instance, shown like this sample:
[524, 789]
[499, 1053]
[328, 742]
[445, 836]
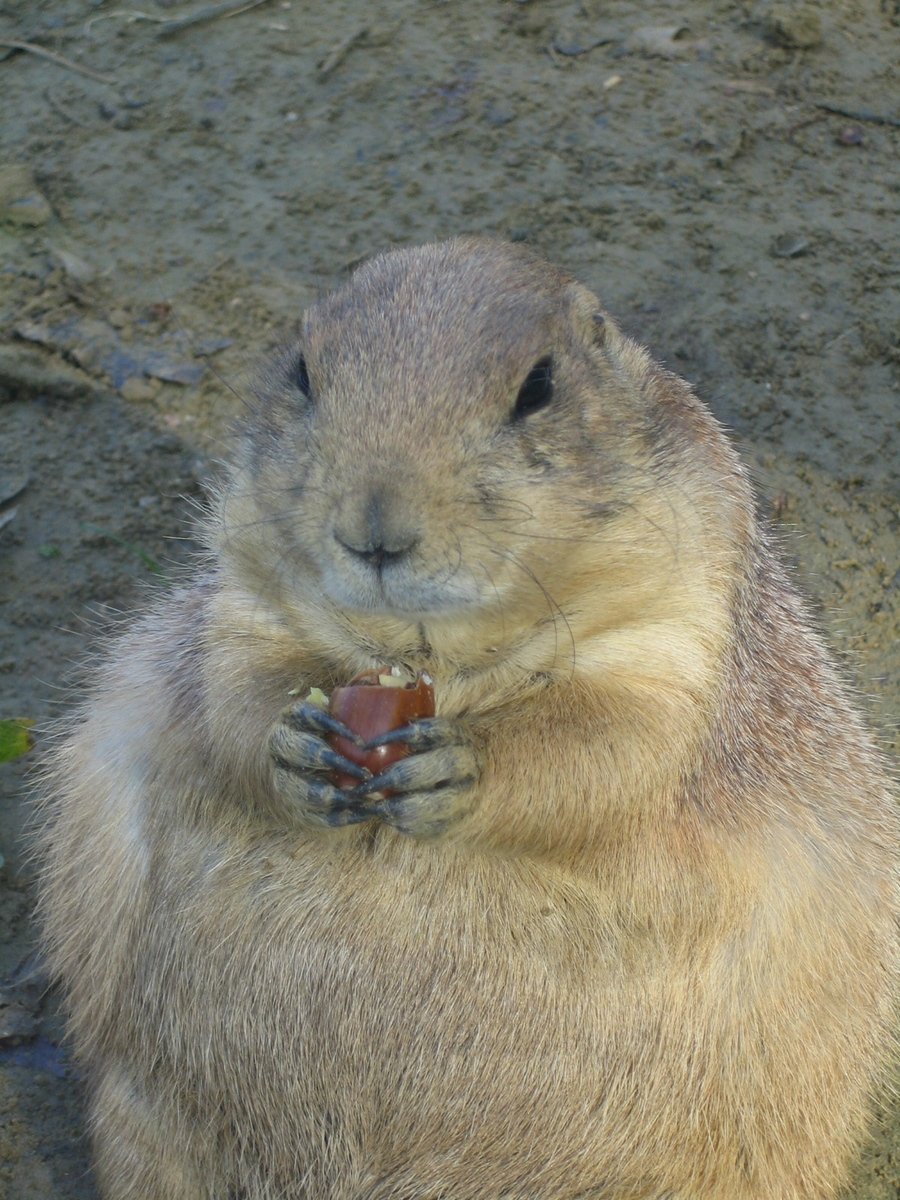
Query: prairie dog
[625, 929]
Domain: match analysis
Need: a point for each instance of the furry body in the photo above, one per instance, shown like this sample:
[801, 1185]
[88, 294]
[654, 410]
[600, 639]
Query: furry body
[650, 952]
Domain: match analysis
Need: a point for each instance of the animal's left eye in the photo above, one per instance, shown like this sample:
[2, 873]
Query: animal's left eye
[301, 376]
[537, 390]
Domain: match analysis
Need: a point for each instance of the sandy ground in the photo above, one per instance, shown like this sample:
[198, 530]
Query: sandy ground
[721, 174]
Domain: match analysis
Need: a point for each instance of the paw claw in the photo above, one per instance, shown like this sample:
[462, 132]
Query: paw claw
[310, 718]
[319, 803]
[424, 734]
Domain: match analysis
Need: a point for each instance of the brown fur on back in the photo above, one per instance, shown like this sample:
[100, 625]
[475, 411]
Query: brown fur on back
[656, 957]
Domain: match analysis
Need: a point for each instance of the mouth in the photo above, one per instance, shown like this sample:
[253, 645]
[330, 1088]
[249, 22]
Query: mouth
[392, 592]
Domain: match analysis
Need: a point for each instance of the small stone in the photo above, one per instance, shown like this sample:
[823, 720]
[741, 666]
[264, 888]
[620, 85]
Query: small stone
[12, 486]
[33, 331]
[118, 318]
[790, 245]
[17, 1024]
[794, 26]
[88, 357]
[29, 211]
[659, 41]
[160, 311]
[499, 115]
[852, 135]
[22, 203]
[137, 390]
[76, 268]
[186, 373]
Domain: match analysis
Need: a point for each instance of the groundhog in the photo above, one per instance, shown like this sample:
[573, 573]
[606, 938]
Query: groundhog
[622, 923]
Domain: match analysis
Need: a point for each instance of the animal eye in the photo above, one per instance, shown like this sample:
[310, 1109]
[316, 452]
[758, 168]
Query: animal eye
[301, 376]
[537, 390]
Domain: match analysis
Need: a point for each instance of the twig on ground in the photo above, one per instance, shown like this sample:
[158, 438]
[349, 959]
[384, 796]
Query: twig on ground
[751, 86]
[335, 57]
[31, 48]
[212, 12]
[129, 17]
[576, 49]
[168, 26]
[857, 114]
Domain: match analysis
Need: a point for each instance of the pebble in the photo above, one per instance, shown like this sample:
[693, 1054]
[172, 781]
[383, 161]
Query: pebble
[794, 26]
[137, 390]
[851, 136]
[76, 268]
[790, 245]
[21, 201]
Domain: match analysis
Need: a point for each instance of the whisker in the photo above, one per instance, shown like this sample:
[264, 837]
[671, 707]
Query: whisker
[459, 561]
[247, 404]
[500, 606]
[547, 537]
[503, 552]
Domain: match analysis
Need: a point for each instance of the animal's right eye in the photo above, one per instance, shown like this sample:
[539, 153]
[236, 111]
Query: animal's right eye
[537, 390]
[301, 376]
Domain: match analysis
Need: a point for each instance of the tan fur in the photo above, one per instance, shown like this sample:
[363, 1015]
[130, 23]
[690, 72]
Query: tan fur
[654, 958]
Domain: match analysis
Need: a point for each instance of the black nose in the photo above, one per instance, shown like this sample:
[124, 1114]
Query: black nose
[376, 554]
[376, 532]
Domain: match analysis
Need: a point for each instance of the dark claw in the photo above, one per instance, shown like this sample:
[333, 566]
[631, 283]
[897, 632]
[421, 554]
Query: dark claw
[310, 718]
[295, 748]
[376, 784]
[329, 760]
[337, 806]
[410, 818]
[420, 735]
[401, 776]
[394, 735]
[337, 762]
[323, 803]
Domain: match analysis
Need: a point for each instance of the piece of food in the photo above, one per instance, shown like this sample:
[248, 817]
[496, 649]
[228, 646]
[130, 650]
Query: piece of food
[373, 703]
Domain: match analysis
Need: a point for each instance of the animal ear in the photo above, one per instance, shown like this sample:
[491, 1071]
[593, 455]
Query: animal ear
[589, 320]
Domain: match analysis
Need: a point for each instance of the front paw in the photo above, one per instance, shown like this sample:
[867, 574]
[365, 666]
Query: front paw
[434, 786]
[303, 764]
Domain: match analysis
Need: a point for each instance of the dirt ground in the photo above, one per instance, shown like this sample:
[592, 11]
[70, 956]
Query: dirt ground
[720, 173]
